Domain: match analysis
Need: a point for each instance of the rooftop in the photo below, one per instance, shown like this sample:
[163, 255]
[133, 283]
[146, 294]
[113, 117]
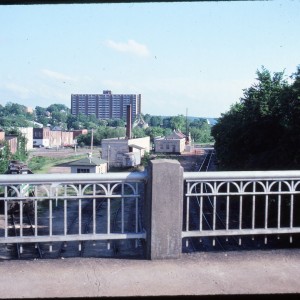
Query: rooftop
[92, 161]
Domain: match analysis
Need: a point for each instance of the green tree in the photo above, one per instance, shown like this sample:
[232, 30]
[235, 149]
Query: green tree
[21, 153]
[58, 118]
[40, 111]
[166, 122]
[116, 123]
[198, 123]
[178, 123]
[58, 108]
[201, 131]
[5, 156]
[146, 118]
[72, 122]
[40, 115]
[14, 109]
[259, 132]
[154, 132]
[138, 132]
[115, 132]
[155, 121]
[167, 131]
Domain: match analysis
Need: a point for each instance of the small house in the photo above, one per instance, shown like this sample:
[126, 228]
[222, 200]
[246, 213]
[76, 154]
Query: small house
[173, 143]
[89, 164]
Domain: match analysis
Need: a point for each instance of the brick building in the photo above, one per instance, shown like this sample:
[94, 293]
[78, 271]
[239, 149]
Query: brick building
[44, 137]
[41, 137]
[12, 141]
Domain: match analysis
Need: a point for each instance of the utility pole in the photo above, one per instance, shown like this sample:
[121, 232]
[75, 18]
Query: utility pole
[186, 123]
[108, 150]
[92, 141]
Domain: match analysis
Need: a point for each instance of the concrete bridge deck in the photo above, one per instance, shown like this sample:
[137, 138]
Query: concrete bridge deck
[222, 273]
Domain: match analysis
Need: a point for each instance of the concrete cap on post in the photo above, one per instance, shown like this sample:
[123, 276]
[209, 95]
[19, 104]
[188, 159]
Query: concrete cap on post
[164, 209]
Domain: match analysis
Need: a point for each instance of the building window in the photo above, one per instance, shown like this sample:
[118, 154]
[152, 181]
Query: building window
[83, 170]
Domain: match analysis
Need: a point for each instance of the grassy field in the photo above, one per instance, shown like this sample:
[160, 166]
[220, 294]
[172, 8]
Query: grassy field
[41, 164]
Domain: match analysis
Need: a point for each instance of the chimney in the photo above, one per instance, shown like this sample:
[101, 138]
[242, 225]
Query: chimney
[128, 126]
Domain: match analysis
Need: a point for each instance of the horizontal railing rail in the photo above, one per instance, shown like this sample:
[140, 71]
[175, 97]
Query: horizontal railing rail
[73, 178]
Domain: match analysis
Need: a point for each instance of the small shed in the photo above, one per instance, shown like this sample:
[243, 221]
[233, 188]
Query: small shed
[89, 164]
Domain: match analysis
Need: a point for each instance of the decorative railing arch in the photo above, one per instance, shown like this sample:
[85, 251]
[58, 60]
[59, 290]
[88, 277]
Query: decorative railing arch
[252, 203]
[75, 192]
[222, 203]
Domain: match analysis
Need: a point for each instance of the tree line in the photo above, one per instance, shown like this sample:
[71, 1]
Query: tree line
[158, 126]
[13, 115]
[262, 130]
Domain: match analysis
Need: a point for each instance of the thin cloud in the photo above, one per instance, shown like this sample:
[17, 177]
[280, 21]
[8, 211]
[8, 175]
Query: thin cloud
[120, 86]
[131, 46]
[57, 75]
[18, 90]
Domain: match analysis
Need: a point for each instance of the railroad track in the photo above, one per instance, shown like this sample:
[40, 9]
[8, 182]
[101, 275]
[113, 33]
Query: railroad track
[211, 218]
[118, 215]
[124, 220]
[83, 223]
[90, 226]
[214, 216]
[95, 215]
[23, 226]
[195, 243]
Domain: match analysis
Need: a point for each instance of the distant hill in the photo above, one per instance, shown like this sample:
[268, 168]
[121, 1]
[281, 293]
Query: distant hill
[212, 121]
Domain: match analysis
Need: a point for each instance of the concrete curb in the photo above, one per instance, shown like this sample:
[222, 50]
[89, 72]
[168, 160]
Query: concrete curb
[230, 273]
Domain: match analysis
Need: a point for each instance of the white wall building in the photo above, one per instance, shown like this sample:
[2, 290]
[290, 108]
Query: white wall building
[27, 132]
[122, 152]
[89, 164]
[173, 143]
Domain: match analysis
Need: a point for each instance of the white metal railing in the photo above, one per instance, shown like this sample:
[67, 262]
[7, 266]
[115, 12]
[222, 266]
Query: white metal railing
[241, 203]
[215, 204]
[57, 200]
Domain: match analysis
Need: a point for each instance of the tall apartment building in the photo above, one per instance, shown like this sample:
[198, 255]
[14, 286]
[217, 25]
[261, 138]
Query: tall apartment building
[106, 105]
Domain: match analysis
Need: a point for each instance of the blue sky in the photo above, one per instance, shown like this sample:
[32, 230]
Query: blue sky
[188, 55]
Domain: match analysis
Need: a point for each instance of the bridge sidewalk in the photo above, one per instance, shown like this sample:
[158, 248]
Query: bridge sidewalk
[247, 272]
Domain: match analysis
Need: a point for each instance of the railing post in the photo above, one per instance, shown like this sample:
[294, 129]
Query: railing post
[163, 209]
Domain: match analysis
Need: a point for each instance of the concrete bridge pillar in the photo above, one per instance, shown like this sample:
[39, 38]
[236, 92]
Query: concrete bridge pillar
[163, 209]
